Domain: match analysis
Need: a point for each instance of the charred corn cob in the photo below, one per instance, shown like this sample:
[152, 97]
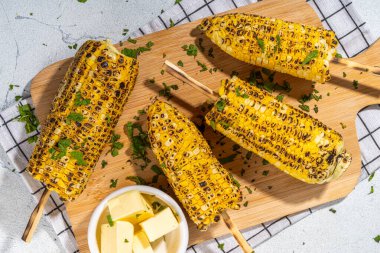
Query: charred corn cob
[83, 115]
[288, 138]
[200, 182]
[298, 50]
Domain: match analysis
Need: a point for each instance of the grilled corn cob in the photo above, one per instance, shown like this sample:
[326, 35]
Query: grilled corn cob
[298, 50]
[288, 138]
[83, 115]
[200, 182]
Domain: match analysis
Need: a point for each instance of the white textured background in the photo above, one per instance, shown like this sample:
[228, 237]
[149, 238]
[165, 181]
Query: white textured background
[59, 23]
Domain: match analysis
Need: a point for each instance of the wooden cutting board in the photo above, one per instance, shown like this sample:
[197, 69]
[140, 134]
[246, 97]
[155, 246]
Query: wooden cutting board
[274, 195]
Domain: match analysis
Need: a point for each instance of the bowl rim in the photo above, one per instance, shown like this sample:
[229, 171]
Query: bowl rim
[183, 226]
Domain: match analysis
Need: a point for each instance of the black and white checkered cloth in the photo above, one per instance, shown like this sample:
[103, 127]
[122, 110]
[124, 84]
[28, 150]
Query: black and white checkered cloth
[338, 15]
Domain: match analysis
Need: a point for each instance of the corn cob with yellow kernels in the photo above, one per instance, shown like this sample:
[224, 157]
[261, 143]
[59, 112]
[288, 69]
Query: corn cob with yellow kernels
[83, 115]
[299, 50]
[288, 138]
[200, 182]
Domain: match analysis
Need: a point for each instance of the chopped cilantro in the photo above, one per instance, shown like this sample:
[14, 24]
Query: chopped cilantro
[221, 246]
[260, 42]
[315, 109]
[212, 124]
[202, 65]
[304, 107]
[248, 189]
[82, 1]
[125, 31]
[280, 97]
[61, 150]
[130, 40]
[191, 50]
[377, 238]
[166, 91]
[332, 210]
[139, 142]
[245, 204]
[239, 94]
[79, 100]
[278, 41]
[138, 180]
[110, 221]
[355, 83]
[113, 183]
[310, 56]
[115, 144]
[136, 52]
[171, 23]
[33, 139]
[77, 117]
[337, 55]
[265, 162]
[77, 155]
[18, 98]
[220, 105]
[180, 63]
[157, 170]
[27, 116]
[227, 159]
[265, 172]
[371, 176]
[11, 86]
[104, 164]
[372, 190]
[73, 46]
[126, 240]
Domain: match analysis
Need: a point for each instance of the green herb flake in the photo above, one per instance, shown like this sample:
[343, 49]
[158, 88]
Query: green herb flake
[113, 183]
[304, 107]
[227, 159]
[343, 125]
[32, 139]
[337, 55]
[77, 155]
[245, 204]
[76, 117]
[278, 42]
[191, 50]
[213, 125]
[125, 31]
[203, 66]
[372, 190]
[377, 238]
[110, 221]
[221, 246]
[18, 98]
[180, 63]
[61, 150]
[177, 1]
[265, 172]
[344, 74]
[260, 42]
[27, 116]
[139, 142]
[166, 91]
[130, 40]
[126, 240]
[309, 57]
[332, 210]
[138, 180]
[73, 46]
[220, 105]
[82, 1]
[315, 109]
[11, 86]
[248, 189]
[171, 23]
[157, 170]
[79, 100]
[280, 97]
[115, 144]
[371, 176]
[355, 83]
[265, 162]
[104, 164]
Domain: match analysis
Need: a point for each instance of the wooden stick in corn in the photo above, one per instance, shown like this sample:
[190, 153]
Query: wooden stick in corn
[287, 137]
[205, 189]
[82, 118]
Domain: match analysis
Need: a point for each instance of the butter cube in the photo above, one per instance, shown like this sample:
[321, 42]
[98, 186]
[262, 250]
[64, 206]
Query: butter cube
[159, 225]
[141, 243]
[130, 206]
[159, 246]
[118, 238]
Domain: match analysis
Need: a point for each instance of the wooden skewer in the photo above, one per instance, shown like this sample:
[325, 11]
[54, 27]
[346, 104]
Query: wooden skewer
[181, 75]
[35, 217]
[355, 65]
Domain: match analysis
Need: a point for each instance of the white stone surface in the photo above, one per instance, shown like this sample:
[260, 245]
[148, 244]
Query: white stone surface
[59, 23]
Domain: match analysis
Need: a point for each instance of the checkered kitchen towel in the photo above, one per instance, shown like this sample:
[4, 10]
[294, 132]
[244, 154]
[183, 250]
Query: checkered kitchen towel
[338, 15]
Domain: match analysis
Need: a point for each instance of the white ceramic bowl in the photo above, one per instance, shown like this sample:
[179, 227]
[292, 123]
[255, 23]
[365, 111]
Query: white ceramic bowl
[179, 245]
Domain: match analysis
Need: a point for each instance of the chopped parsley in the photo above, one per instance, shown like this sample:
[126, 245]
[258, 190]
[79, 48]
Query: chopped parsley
[110, 221]
[139, 142]
[245, 204]
[73, 46]
[104, 164]
[115, 144]
[136, 52]
[332, 210]
[220, 105]
[138, 180]
[11, 86]
[280, 97]
[113, 183]
[130, 40]
[377, 238]
[315, 109]
[125, 31]
[18, 98]
[212, 124]
[239, 94]
[191, 50]
[180, 63]
[260, 42]
[225, 125]
[77, 117]
[77, 155]
[166, 91]
[278, 42]
[126, 240]
[31, 122]
[265, 162]
[304, 107]
[203, 66]
[372, 190]
[337, 55]
[248, 189]
[171, 23]
[310, 56]
[227, 159]
[79, 100]
[61, 150]
[162, 72]
[157, 170]
[371, 176]
[355, 83]
[265, 172]
[82, 1]
[221, 246]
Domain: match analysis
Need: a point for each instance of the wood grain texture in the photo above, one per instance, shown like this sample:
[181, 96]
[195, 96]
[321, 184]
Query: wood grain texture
[287, 195]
